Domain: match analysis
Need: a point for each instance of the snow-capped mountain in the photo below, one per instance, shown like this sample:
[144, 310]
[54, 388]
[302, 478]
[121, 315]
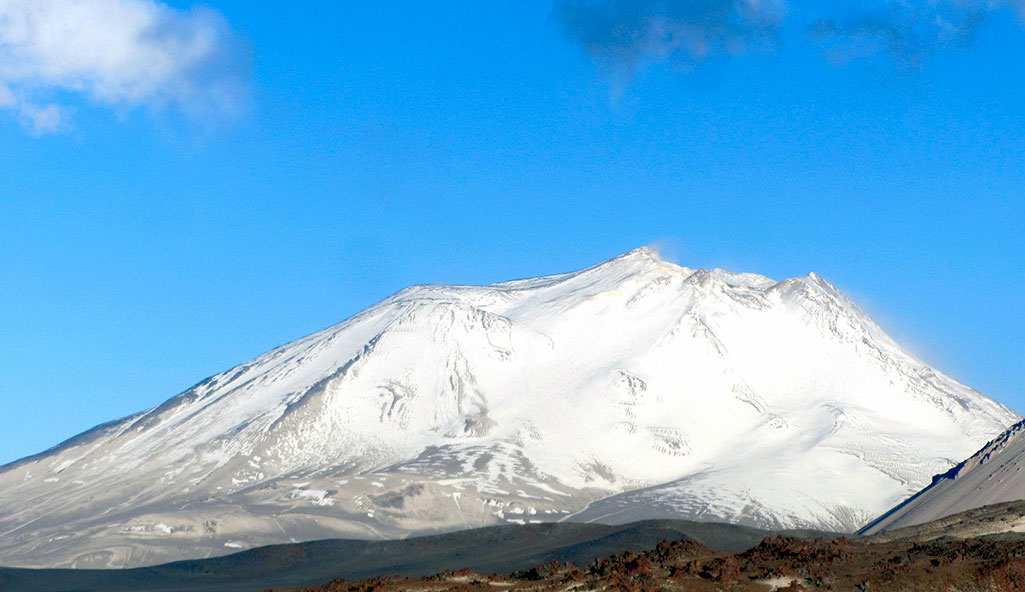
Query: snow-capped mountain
[990, 476]
[632, 389]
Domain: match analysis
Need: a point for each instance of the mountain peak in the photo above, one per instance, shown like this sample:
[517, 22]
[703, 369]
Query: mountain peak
[645, 252]
[517, 402]
[641, 256]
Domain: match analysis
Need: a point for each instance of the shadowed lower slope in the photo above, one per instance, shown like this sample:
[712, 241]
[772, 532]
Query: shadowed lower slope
[500, 549]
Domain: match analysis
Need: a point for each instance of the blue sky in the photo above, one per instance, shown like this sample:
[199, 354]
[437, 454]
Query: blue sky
[197, 184]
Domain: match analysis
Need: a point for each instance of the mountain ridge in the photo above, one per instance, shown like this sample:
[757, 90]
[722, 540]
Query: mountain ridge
[635, 383]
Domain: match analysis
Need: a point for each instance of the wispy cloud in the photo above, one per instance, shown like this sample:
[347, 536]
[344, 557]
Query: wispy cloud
[909, 32]
[116, 53]
[625, 34]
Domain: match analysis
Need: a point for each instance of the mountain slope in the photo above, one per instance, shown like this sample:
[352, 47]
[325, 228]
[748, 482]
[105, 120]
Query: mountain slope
[632, 389]
[495, 549]
[990, 476]
[1005, 520]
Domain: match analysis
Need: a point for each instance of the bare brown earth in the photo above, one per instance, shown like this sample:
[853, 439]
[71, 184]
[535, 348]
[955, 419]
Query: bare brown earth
[983, 564]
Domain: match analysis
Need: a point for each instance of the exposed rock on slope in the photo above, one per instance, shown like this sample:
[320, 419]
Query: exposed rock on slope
[1003, 520]
[632, 389]
[990, 476]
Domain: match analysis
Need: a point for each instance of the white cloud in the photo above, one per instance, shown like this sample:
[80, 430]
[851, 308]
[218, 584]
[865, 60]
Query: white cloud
[6, 97]
[43, 119]
[119, 53]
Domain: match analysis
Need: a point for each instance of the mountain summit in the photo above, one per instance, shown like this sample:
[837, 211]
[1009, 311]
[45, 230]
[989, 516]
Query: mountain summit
[632, 389]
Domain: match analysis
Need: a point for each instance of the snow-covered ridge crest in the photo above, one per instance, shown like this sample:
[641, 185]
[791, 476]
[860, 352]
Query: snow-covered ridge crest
[634, 388]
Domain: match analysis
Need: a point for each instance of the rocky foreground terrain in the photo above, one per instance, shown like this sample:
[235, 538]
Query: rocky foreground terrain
[778, 563]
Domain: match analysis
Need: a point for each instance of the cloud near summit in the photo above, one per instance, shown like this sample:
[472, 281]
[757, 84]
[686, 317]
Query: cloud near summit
[120, 54]
[623, 35]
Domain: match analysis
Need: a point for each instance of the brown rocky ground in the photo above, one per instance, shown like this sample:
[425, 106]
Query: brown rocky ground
[785, 563]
